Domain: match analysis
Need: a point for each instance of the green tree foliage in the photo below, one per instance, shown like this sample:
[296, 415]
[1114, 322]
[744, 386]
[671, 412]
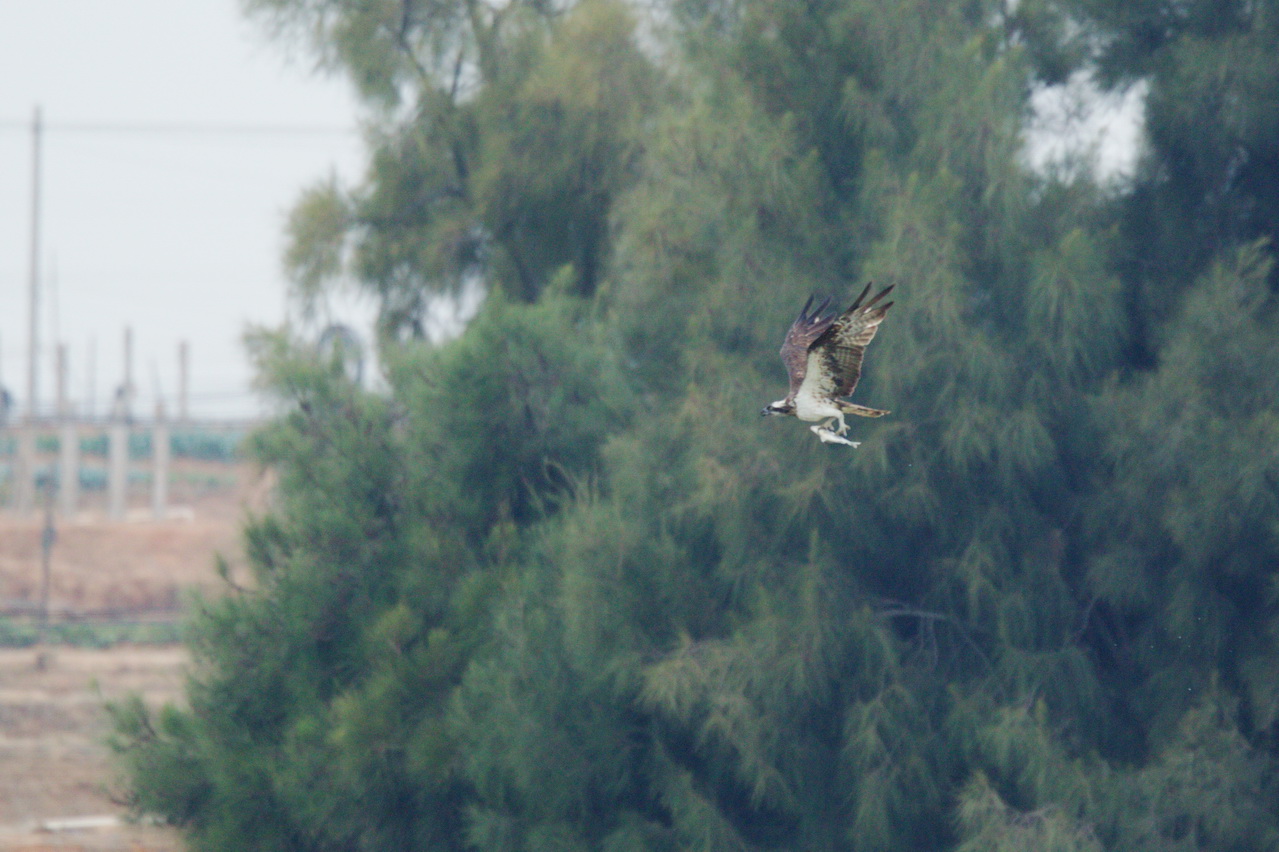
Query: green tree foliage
[557, 587]
[518, 133]
[1200, 431]
[1210, 177]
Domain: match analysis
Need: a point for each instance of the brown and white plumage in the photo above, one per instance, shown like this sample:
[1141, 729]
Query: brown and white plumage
[823, 357]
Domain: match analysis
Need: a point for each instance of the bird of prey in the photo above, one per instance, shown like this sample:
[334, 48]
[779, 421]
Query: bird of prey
[823, 357]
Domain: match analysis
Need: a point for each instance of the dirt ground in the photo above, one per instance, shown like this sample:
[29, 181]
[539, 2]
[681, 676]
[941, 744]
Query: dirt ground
[140, 563]
[57, 780]
[55, 772]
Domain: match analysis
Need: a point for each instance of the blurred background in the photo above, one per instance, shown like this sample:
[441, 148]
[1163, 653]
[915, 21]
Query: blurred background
[173, 141]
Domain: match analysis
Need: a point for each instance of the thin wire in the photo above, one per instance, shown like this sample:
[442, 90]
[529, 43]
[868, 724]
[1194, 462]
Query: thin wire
[182, 127]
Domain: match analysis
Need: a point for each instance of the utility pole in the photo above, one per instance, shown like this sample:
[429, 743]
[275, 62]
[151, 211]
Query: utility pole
[91, 380]
[184, 380]
[33, 316]
[48, 535]
[128, 390]
[24, 464]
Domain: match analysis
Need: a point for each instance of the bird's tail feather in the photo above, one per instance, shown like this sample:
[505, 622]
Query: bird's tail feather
[861, 410]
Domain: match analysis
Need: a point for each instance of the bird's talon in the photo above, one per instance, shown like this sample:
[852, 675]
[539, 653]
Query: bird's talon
[830, 436]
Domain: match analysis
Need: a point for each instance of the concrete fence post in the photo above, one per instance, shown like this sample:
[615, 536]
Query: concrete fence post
[117, 465]
[24, 469]
[68, 441]
[160, 464]
[69, 466]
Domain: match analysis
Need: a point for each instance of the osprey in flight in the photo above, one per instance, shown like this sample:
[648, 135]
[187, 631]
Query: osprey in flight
[823, 356]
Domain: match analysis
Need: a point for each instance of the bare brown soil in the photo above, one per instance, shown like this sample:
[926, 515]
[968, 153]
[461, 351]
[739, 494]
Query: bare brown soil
[56, 776]
[137, 564]
[57, 770]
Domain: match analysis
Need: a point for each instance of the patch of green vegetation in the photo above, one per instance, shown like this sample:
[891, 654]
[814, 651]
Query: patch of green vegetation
[23, 633]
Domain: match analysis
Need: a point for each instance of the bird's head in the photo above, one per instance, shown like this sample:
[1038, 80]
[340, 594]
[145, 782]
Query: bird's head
[782, 406]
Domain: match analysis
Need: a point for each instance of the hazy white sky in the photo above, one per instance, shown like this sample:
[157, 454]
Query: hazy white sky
[1077, 125]
[154, 216]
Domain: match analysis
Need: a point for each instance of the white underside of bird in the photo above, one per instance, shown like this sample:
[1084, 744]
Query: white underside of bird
[810, 407]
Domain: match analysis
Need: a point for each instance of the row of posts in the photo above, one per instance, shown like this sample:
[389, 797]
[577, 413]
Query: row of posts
[118, 430]
[68, 477]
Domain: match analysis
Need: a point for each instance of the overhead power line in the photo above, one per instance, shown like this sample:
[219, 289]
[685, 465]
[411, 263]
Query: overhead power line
[190, 128]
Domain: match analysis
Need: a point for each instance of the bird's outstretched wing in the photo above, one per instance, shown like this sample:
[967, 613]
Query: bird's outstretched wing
[803, 333]
[842, 343]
